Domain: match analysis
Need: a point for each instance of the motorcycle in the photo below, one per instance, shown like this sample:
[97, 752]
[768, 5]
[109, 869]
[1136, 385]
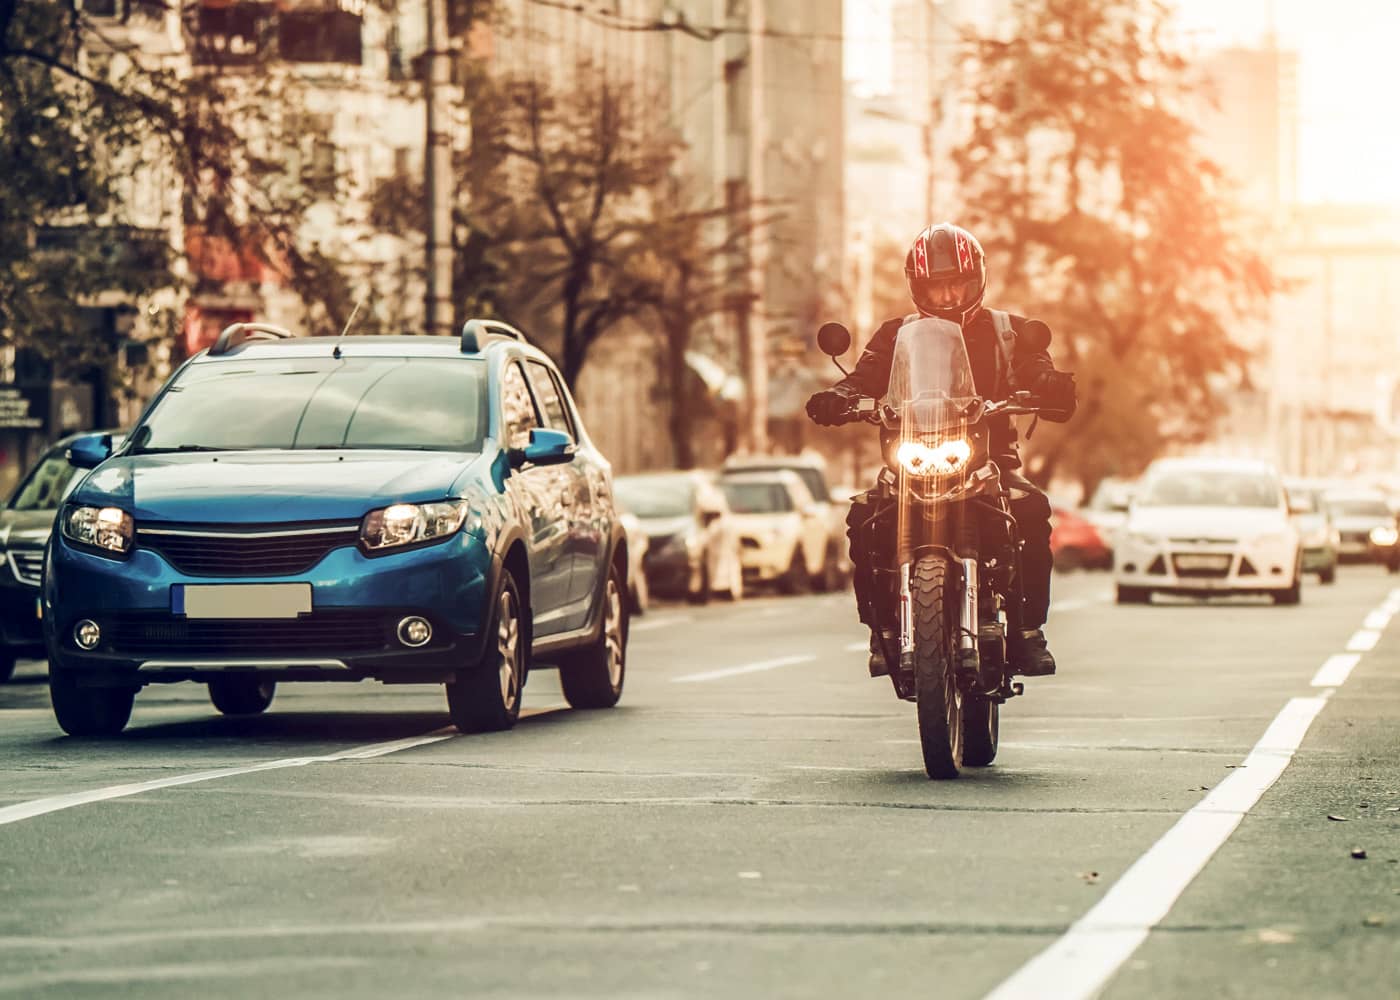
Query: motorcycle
[948, 588]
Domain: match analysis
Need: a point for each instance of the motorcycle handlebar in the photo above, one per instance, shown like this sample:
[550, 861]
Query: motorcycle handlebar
[1018, 404]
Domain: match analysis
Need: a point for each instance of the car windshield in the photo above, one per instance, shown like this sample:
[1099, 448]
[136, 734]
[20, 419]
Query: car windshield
[811, 477]
[756, 498]
[1302, 501]
[1210, 488]
[431, 404]
[1358, 507]
[47, 484]
[654, 497]
[1111, 496]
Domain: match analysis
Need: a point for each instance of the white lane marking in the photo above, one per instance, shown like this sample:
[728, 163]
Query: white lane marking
[1335, 671]
[56, 803]
[1094, 948]
[1379, 618]
[1363, 641]
[651, 624]
[859, 647]
[747, 668]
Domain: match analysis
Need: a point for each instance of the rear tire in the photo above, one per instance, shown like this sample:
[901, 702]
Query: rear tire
[1328, 575]
[593, 677]
[241, 695]
[702, 595]
[981, 724]
[93, 712]
[1133, 595]
[940, 703]
[7, 666]
[485, 697]
[1293, 595]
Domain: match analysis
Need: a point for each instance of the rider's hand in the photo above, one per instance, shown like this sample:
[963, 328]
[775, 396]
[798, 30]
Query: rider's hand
[1055, 390]
[829, 407]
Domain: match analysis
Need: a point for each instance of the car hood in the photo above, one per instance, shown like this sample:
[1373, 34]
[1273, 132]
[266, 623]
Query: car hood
[766, 522]
[25, 528]
[1206, 522]
[270, 487]
[1363, 522]
[665, 527]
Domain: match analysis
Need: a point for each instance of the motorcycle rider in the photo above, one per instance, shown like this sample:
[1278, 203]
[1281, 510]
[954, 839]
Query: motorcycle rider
[947, 277]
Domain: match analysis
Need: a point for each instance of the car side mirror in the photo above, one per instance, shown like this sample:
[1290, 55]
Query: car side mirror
[90, 451]
[546, 447]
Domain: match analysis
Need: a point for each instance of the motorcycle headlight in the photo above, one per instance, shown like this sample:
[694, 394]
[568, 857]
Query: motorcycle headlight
[109, 529]
[404, 524]
[1384, 535]
[941, 459]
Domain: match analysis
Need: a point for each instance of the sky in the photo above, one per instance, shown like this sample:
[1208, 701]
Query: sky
[1349, 52]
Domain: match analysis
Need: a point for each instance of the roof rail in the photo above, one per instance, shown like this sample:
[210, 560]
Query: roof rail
[240, 333]
[476, 331]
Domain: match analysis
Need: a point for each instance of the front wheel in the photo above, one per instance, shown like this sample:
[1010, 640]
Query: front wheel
[981, 724]
[88, 711]
[1328, 575]
[241, 695]
[592, 677]
[485, 697]
[796, 580]
[940, 703]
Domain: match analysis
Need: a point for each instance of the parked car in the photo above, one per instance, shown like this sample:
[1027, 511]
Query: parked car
[1107, 509]
[1313, 519]
[692, 540]
[637, 544]
[1209, 526]
[1076, 543]
[408, 509]
[1367, 528]
[25, 525]
[782, 530]
[836, 566]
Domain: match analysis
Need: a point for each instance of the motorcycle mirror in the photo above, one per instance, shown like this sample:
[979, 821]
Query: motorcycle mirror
[834, 339]
[1036, 336]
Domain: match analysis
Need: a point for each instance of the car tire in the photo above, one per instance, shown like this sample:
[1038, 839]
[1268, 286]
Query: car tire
[98, 712]
[1328, 575]
[1294, 594]
[796, 580]
[1133, 595]
[1393, 566]
[831, 580]
[736, 581]
[485, 697]
[242, 695]
[702, 594]
[593, 677]
[7, 666]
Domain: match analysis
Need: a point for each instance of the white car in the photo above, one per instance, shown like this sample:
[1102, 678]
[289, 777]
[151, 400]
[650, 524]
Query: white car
[1208, 526]
[811, 468]
[783, 532]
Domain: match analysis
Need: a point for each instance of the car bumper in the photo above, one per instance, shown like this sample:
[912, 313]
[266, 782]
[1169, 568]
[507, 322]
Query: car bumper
[763, 562]
[1360, 551]
[20, 629]
[1217, 568]
[350, 633]
[1319, 558]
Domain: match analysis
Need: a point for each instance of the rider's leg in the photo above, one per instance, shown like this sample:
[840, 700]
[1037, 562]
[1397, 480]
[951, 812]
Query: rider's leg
[862, 578]
[1029, 653]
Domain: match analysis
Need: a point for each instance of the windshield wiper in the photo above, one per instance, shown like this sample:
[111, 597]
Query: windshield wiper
[182, 448]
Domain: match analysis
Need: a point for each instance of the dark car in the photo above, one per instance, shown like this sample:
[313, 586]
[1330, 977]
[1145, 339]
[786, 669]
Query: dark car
[407, 509]
[1366, 527]
[25, 525]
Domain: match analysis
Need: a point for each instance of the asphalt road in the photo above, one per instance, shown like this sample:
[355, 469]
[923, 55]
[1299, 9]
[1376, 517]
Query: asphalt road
[752, 821]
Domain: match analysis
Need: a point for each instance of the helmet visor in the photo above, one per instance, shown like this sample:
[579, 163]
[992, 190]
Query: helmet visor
[933, 295]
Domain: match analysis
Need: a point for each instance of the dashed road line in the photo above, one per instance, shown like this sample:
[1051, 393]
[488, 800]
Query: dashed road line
[747, 668]
[1363, 641]
[1335, 671]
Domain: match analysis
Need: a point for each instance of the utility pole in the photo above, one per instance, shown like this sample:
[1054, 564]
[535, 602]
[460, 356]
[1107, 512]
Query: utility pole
[437, 166]
[756, 361]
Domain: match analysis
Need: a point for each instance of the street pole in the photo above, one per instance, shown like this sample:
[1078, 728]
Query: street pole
[757, 354]
[437, 167]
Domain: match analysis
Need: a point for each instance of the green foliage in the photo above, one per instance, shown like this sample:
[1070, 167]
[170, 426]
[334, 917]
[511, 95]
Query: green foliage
[1099, 214]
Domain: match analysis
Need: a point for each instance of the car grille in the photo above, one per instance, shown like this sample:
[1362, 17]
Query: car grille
[27, 565]
[749, 542]
[1202, 567]
[266, 551]
[1361, 537]
[326, 633]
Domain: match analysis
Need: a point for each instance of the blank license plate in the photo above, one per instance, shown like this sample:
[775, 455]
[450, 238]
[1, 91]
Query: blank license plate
[240, 600]
[1189, 562]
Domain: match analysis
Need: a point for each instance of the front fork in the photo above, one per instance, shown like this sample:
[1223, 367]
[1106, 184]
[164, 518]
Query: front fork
[967, 616]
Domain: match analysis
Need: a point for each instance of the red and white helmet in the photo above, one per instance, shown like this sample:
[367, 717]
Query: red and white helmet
[947, 273]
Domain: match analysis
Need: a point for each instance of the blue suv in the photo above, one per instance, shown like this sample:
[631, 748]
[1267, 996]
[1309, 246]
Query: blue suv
[409, 509]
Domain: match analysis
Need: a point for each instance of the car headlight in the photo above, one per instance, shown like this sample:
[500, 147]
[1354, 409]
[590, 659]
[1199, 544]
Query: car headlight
[403, 524]
[942, 459]
[1384, 535]
[110, 529]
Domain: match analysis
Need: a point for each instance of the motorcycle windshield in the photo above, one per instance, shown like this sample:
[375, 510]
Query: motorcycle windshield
[931, 385]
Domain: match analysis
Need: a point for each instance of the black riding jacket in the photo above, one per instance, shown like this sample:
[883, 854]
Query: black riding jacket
[871, 376]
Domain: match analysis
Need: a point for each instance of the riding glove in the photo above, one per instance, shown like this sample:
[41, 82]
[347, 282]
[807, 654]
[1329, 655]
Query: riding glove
[829, 407]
